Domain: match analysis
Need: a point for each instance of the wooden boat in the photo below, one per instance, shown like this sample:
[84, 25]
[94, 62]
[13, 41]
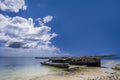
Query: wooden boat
[60, 65]
[83, 60]
[89, 61]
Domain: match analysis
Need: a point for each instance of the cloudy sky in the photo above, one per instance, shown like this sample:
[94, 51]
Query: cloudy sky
[55, 27]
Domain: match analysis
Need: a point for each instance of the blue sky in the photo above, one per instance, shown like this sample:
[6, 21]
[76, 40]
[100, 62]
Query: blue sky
[83, 27]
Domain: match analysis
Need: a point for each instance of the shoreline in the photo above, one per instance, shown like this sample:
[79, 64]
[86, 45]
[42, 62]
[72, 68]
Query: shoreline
[32, 70]
[86, 73]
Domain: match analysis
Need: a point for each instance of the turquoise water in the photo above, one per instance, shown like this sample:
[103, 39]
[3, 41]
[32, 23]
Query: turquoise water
[22, 68]
[13, 68]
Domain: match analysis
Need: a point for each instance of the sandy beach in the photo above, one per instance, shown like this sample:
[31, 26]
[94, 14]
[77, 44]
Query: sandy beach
[87, 73]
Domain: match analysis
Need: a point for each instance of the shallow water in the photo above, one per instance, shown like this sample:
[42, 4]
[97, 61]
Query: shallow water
[14, 68]
[107, 64]
[22, 68]
[110, 62]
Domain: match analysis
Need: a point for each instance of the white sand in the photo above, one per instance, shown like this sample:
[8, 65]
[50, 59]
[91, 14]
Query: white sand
[81, 74]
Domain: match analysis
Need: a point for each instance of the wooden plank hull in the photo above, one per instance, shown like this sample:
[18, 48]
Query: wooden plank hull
[89, 61]
[60, 65]
[83, 60]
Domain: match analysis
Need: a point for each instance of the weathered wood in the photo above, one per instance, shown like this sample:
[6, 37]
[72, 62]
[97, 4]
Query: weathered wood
[84, 60]
[60, 65]
[103, 56]
[89, 61]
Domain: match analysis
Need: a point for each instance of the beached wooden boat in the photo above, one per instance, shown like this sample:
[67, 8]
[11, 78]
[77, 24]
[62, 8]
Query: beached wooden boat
[60, 65]
[89, 61]
[83, 60]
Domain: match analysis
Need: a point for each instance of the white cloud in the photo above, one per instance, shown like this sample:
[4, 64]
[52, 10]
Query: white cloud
[13, 52]
[12, 5]
[47, 19]
[44, 20]
[19, 32]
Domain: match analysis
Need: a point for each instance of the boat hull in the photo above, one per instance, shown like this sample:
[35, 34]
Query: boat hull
[60, 65]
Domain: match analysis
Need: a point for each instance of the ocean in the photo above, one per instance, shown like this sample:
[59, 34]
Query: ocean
[25, 68]
[16, 68]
